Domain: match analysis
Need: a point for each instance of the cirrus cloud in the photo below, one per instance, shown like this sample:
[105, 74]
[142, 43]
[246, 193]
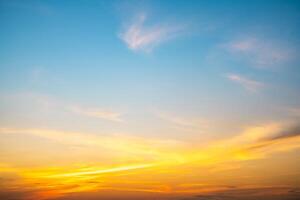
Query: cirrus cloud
[139, 36]
[248, 84]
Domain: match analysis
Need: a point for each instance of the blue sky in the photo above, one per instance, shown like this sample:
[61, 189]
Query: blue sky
[207, 58]
[77, 52]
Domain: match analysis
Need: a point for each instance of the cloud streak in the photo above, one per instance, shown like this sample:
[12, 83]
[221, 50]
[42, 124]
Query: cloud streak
[102, 171]
[248, 84]
[97, 113]
[290, 132]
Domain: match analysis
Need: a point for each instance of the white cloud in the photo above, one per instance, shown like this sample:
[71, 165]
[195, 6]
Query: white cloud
[141, 37]
[260, 53]
[248, 84]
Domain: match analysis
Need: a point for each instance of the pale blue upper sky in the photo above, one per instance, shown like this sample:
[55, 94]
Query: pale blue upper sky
[140, 64]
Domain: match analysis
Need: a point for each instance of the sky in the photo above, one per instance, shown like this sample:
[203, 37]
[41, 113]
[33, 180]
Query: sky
[166, 100]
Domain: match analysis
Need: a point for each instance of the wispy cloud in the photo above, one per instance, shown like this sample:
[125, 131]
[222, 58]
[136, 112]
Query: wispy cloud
[51, 104]
[97, 113]
[247, 83]
[189, 124]
[119, 145]
[139, 36]
[260, 53]
[256, 142]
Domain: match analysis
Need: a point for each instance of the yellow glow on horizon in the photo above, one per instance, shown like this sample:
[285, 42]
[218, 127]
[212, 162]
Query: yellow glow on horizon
[150, 165]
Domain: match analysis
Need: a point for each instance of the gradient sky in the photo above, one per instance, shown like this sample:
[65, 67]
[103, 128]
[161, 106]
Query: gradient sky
[149, 99]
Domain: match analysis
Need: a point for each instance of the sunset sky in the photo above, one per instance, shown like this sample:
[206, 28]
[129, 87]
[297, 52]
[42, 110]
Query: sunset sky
[158, 100]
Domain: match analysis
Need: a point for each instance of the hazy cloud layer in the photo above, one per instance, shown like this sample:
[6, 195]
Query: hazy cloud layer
[252, 193]
[49, 104]
[260, 53]
[150, 157]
